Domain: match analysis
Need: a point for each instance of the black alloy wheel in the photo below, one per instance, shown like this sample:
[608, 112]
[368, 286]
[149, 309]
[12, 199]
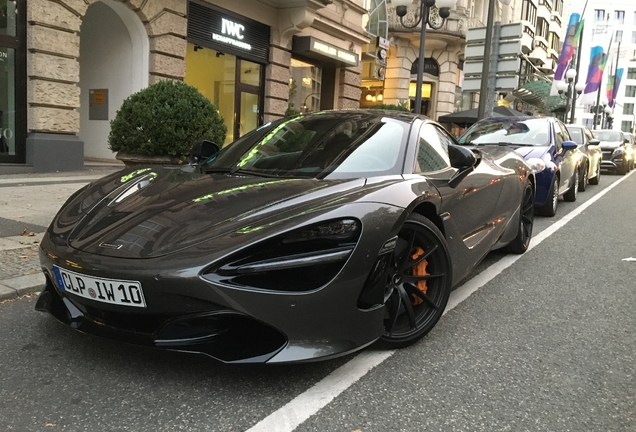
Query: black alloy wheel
[584, 178]
[551, 203]
[412, 312]
[623, 169]
[597, 178]
[573, 192]
[526, 221]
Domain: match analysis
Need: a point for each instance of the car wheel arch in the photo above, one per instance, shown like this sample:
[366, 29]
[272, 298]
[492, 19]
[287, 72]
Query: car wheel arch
[429, 211]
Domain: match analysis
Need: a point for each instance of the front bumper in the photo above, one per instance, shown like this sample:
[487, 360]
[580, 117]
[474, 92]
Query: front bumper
[611, 162]
[187, 311]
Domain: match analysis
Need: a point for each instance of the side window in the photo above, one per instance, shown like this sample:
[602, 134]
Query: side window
[558, 134]
[432, 150]
[588, 136]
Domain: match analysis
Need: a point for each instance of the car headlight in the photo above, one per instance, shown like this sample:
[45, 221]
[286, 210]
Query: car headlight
[300, 260]
[618, 151]
[536, 164]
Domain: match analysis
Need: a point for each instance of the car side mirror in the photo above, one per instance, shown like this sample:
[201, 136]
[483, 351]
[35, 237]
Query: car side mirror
[201, 151]
[570, 145]
[626, 141]
[462, 159]
[594, 142]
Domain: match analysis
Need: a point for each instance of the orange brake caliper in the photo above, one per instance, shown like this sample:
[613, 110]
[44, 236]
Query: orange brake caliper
[419, 270]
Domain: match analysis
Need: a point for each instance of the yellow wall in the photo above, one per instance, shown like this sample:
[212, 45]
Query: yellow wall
[214, 77]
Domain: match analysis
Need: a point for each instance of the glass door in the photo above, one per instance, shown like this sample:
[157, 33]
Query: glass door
[12, 81]
[249, 97]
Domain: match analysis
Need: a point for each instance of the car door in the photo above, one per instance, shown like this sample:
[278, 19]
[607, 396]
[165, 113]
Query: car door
[566, 159]
[472, 204]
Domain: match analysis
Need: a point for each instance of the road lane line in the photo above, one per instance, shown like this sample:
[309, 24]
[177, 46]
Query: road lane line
[302, 407]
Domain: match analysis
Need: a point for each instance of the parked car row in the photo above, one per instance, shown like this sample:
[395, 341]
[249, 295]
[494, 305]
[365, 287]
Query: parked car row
[561, 168]
[618, 150]
[308, 238]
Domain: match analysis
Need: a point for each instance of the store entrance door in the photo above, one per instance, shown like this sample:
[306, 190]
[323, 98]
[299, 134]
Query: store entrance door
[248, 114]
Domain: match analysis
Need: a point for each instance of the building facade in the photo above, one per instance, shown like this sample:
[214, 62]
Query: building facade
[69, 64]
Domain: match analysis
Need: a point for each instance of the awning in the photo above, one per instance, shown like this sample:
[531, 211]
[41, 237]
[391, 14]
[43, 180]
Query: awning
[469, 117]
[537, 93]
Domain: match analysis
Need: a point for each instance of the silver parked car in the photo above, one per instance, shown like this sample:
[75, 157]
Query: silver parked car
[591, 153]
[618, 154]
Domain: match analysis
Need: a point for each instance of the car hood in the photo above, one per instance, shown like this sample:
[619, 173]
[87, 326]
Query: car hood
[610, 145]
[154, 212]
[531, 152]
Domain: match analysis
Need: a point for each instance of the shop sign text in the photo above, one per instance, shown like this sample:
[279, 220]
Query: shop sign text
[232, 34]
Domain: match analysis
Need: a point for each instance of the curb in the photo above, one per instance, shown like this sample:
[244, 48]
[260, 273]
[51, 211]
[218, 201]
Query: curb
[21, 285]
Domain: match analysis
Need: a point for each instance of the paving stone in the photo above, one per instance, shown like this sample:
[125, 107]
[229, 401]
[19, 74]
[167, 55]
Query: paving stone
[19, 262]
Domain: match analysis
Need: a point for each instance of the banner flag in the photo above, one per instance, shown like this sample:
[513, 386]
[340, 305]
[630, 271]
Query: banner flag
[570, 44]
[613, 83]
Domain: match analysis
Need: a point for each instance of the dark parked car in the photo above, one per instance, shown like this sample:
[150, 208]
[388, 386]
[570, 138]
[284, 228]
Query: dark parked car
[591, 152]
[618, 154]
[545, 144]
[306, 239]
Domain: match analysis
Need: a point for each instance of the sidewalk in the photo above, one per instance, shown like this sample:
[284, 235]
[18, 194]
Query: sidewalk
[28, 203]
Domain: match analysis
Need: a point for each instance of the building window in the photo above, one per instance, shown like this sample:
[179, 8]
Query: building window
[619, 16]
[628, 108]
[555, 42]
[631, 73]
[619, 36]
[630, 91]
[558, 6]
[529, 12]
[634, 18]
[599, 14]
[634, 37]
[377, 21]
[305, 86]
[543, 28]
[626, 126]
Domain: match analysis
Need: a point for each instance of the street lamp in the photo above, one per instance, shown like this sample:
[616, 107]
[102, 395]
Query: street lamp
[424, 18]
[567, 88]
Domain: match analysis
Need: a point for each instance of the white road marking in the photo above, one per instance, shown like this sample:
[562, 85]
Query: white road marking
[305, 405]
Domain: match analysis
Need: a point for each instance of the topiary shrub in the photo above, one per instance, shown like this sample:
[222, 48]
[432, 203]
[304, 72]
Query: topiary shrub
[402, 106]
[164, 119]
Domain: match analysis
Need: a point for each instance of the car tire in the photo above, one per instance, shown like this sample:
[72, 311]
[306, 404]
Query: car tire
[526, 221]
[550, 207]
[406, 320]
[573, 192]
[597, 178]
[622, 170]
[584, 178]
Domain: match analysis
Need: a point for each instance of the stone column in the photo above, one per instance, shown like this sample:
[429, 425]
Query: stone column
[277, 83]
[349, 91]
[398, 72]
[52, 93]
[447, 60]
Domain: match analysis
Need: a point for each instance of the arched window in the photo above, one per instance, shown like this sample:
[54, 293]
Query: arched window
[377, 19]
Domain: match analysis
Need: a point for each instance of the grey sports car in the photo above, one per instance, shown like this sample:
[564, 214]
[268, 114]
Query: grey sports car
[306, 239]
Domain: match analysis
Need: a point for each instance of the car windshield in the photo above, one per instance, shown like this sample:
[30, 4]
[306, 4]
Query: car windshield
[530, 132]
[576, 134]
[607, 135]
[338, 145]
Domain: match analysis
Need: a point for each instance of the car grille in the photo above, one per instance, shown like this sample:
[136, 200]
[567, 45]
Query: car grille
[607, 155]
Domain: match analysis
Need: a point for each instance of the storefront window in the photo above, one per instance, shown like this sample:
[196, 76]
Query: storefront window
[213, 73]
[7, 101]
[8, 18]
[250, 73]
[305, 86]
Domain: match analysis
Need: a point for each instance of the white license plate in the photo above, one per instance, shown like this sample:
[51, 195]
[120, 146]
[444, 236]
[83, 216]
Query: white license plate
[113, 291]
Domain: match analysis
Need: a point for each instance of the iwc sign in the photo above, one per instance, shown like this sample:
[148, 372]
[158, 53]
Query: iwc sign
[227, 32]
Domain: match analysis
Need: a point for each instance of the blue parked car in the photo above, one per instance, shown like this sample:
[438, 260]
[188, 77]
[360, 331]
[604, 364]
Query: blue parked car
[545, 144]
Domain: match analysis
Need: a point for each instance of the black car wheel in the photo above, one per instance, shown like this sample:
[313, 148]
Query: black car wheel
[573, 192]
[551, 203]
[418, 283]
[520, 244]
[584, 178]
[623, 169]
[597, 178]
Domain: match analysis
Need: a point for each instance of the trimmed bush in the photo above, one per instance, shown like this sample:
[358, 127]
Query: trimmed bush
[402, 106]
[164, 119]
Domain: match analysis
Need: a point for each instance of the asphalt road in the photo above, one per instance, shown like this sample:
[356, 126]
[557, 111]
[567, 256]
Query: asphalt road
[546, 345]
